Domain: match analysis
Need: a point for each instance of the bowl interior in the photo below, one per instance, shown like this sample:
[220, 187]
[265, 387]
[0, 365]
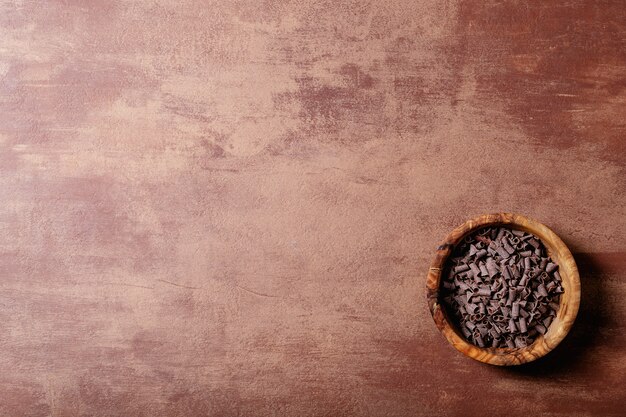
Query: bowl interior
[568, 307]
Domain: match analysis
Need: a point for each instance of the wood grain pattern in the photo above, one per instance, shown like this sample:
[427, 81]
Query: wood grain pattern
[228, 208]
[569, 304]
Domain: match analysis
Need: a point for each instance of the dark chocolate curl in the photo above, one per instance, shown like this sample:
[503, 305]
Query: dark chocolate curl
[492, 268]
[502, 252]
[506, 273]
[541, 289]
[515, 310]
[481, 308]
[512, 327]
[523, 281]
[475, 269]
[498, 318]
[484, 291]
[551, 267]
[508, 247]
[547, 321]
[522, 325]
[493, 333]
[512, 295]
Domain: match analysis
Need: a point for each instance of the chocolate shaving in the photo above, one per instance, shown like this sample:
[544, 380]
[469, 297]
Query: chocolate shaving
[522, 325]
[475, 269]
[547, 321]
[520, 342]
[541, 289]
[484, 291]
[508, 247]
[503, 252]
[515, 309]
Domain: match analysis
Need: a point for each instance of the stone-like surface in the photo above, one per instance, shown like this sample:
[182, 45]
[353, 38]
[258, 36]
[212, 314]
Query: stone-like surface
[229, 208]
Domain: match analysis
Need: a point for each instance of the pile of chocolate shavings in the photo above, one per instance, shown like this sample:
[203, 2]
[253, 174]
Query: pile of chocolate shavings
[501, 288]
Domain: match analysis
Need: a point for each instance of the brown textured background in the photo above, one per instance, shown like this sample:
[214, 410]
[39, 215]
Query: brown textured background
[228, 208]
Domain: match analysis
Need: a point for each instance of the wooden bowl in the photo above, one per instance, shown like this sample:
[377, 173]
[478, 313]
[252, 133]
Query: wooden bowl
[570, 299]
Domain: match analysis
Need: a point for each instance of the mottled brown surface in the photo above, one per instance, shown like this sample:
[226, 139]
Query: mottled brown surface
[229, 208]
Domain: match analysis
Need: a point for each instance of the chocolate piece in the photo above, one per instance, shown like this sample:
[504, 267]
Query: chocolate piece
[492, 267]
[547, 321]
[475, 269]
[508, 247]
[480, 254]
[515, 309]
[522, 325]
[541, 289]
[484, 291]
[512, 327]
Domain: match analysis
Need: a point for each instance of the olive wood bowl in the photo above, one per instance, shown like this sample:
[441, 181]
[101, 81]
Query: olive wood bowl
[568, 307]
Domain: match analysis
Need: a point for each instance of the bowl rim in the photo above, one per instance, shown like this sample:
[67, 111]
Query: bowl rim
[568, 307]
